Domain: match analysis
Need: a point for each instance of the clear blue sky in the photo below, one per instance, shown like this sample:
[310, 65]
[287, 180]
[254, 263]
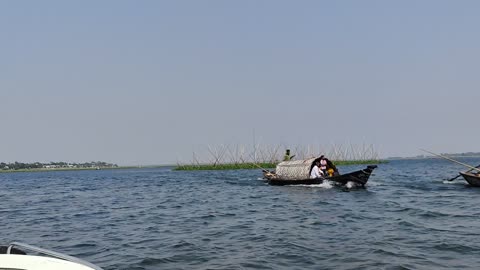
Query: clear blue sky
[149, 82]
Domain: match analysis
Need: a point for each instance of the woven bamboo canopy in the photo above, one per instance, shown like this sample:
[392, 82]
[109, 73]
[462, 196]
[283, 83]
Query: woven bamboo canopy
[295, 169]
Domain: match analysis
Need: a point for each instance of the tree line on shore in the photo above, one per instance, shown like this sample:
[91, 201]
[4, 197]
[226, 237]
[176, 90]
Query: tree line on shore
[55, 165]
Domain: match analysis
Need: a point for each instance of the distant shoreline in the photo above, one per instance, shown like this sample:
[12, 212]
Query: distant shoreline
[432, 157]
[82, 169]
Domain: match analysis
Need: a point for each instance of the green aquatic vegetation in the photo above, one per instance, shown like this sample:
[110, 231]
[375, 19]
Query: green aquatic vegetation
[225, 157]
[266, 165]
[231, 166]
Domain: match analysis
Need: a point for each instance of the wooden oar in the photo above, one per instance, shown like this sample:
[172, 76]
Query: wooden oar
[452, 160]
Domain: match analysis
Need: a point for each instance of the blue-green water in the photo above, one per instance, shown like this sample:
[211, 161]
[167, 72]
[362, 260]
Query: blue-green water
[408, 217]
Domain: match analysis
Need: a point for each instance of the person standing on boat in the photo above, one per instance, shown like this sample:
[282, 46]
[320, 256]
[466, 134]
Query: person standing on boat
[287, 156]
[316, 172]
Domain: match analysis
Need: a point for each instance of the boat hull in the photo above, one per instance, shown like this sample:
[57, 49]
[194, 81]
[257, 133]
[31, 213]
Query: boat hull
[16, 256]
[30, 262]
[472, 179]
[359, 177]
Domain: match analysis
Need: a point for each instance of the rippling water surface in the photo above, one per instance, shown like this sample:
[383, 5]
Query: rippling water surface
[408, 217]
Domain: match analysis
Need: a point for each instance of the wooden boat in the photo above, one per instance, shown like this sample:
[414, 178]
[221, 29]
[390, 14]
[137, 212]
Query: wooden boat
[298, 173]
[15, 256]
[471, 178]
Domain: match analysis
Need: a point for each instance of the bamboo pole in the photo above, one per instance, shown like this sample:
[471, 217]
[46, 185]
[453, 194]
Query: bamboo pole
[447, 158]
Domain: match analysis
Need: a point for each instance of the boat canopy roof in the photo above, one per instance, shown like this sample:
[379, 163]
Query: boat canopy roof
[295, 169]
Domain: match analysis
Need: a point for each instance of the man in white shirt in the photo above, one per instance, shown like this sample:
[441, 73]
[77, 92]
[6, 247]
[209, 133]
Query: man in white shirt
[316, 172]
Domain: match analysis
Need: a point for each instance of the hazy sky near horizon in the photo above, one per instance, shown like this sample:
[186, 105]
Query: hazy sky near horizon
[150, 82]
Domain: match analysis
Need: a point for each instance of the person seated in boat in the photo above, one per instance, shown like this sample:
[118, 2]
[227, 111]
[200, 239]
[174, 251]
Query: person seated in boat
[323, 164]
[316, 172]
[331, 168]
[268, 174]
[287, 156]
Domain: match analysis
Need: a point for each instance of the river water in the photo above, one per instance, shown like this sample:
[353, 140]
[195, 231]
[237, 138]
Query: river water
[408, 217]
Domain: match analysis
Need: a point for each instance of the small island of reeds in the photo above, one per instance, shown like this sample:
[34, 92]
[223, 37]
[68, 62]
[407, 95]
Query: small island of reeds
[267, 157]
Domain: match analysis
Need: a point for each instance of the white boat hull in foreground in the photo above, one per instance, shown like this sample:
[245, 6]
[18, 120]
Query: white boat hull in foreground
[29, 262]
[42, 260]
